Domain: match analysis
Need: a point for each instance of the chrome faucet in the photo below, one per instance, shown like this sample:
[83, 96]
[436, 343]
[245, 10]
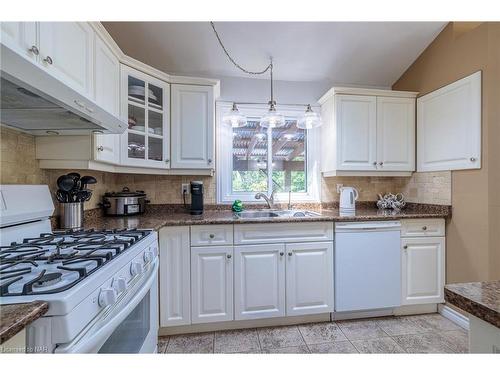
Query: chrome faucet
[269, 200]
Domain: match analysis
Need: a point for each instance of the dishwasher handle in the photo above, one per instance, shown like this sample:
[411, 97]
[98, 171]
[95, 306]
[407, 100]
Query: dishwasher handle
[367, 226]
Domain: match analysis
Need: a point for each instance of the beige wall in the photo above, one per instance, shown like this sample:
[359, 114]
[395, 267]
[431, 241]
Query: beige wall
[473, 232]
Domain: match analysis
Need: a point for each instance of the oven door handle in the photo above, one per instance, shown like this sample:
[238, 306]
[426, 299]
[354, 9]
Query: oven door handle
[91, 343]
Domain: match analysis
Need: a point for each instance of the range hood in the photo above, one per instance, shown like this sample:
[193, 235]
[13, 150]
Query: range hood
[34, 101]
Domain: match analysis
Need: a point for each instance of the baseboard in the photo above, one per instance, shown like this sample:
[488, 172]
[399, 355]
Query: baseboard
[416, 309]
[454, 316]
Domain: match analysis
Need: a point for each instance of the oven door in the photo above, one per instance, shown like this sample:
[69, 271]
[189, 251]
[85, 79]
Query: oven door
[129, 326]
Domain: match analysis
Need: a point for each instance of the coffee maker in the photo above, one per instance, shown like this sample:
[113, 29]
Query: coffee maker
[196, 198]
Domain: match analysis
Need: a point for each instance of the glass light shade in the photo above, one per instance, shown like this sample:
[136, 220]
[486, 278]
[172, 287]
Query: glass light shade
[234, 118]
[272, 119]
[309, 120]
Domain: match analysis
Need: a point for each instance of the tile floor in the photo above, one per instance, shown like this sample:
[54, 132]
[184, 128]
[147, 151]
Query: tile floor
[429, 333]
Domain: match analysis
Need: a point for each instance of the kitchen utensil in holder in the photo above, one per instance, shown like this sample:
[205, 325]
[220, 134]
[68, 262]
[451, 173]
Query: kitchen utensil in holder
[72, 215]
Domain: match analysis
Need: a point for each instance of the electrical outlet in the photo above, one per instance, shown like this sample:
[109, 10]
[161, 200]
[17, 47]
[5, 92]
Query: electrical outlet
[184, 189]
[339, 187]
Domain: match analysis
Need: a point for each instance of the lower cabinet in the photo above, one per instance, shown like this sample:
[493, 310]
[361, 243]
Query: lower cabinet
[309, 278]
[423, 270]
[259, 281]
[211, 284]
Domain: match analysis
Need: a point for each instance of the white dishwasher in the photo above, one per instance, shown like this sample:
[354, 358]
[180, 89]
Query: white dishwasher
[367, 265]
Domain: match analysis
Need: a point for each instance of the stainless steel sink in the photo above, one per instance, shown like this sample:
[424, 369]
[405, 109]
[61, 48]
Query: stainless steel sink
[257, 214]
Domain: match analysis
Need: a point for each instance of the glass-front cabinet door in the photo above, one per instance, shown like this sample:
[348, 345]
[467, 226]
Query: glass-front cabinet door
[145, 106]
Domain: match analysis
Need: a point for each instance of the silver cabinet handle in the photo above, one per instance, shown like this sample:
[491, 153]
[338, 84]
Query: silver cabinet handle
[424, 228]
[381, 163]
[209, 161]
[290, 254]
[282, 253]
[100, 148]
[228, 256]
[167, 160]
[211, 235]
[374, 163]
[473, 159]
[48, 60]
[405, 247]
[34, 50]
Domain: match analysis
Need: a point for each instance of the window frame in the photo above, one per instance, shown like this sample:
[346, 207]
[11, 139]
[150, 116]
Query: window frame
[224, 164]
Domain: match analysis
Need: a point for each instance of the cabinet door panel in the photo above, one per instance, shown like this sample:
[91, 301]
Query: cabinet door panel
[423, 270]
[106, 78]
[211, 284]
[192, 127]
[20, 37]
[395, 134]
[259, 281]
[69, 47]
[449, 126]
[356, 132]
[107, 148]
[309, 278]
[175, 291]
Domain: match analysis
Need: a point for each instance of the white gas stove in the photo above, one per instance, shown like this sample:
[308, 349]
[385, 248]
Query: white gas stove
[101, 285]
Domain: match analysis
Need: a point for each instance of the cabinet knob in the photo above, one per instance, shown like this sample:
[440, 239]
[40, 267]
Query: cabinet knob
[228, 256]
[282, 253]
[100, 148]
[381, 163]
[34, 50]
[424, 228]
[374, 163]
[290, 254]
[48, 60]
[405, 247]
[473, 159]
[209, 161]
[167, 160]
[211, 235]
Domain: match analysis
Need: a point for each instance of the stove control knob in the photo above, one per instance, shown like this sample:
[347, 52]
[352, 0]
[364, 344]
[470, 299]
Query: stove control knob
[107, 296]
[119, 284]
[135, 268]
[148, 256]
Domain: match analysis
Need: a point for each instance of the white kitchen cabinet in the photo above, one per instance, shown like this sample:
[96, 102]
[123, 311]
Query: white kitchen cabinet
[175, 283]
[367, 132]
[66, 51]
[106, 148]
[259, 281]
[106, 77]
[211, 284]
[356, 121]
[423, 270]
[395, 134]
[145, 106]
[193, 127]
[21, 37]
[449, 127]
[309, 278]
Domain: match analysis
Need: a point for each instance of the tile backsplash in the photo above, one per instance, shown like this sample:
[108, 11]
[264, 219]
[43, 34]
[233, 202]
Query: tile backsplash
[19, 166]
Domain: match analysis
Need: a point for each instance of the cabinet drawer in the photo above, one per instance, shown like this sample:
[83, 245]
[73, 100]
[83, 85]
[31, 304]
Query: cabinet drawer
[211, 235]
[422, 228]
[283, 232]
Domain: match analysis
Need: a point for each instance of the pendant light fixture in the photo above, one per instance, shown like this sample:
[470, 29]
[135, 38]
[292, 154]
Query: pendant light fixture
[272, 118]
[309, 119]
[234, 118]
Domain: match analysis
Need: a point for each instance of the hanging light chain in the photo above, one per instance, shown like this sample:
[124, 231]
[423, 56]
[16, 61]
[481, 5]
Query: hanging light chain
[270, 66]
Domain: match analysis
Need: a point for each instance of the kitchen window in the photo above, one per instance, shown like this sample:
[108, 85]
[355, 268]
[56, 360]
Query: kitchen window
[254, 159]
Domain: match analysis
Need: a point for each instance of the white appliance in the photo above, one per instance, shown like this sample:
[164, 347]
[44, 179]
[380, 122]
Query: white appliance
[101, 286]
[348, 198]
[367, 265]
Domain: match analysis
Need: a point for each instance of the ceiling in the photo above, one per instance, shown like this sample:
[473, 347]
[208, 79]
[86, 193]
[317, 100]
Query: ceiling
[356, 53]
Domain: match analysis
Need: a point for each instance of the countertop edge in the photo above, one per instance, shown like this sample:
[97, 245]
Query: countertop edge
[16, 321]
[475, 308]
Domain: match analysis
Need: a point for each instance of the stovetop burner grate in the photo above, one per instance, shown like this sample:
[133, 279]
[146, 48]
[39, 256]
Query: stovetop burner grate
[56, 261]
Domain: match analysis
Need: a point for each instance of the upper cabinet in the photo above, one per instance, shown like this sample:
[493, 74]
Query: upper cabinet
[193, 127]
[66, 51]
[106, 77]
[368, 132]
[21, 37]
[449, 126]
[145, 105]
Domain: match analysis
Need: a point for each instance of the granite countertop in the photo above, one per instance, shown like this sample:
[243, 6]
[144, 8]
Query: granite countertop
[15, 317]
[481, 299]
[159, 216]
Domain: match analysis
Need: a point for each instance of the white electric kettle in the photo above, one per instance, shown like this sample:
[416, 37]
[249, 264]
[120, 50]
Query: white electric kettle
[348, 197]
